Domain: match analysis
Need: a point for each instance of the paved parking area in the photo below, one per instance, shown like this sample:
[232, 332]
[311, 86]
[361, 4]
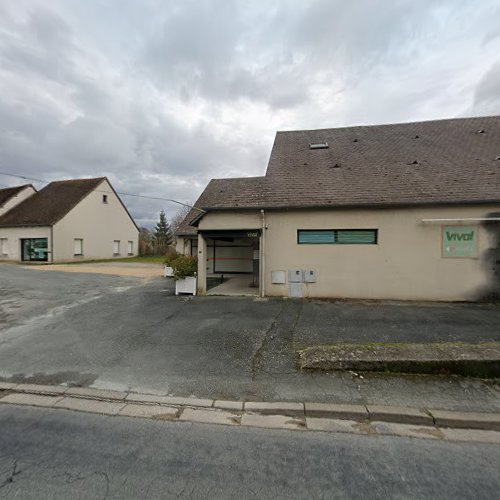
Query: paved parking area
[123, 332]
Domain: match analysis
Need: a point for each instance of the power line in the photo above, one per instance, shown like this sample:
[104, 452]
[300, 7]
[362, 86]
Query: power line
[110, 192]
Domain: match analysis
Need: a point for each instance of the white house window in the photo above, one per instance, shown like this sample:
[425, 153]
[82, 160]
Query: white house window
[78, 246]
[3, 246]
[130, 248]
[105, 198]
[116, 247]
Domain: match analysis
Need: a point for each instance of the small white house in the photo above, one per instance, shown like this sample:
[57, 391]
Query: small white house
[65, 221]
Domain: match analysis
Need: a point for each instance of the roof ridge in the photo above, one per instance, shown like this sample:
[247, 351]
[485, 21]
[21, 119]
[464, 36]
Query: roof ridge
[237, 178]
[82, 179]
[389, 124]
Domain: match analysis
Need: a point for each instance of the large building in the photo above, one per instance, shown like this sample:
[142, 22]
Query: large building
[65, 221]
[405, 211]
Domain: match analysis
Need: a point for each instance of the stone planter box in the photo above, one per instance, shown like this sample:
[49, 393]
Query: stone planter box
[168, 271]
[186, 285]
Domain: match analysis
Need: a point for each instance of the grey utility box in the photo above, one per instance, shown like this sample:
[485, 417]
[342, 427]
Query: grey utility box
[295, 276]
[278, 277]
[295, 290]
[310, 276]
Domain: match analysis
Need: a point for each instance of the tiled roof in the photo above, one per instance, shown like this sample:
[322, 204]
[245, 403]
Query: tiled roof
[433, 162]
[50, 204]
[235, 192]
[8, 193]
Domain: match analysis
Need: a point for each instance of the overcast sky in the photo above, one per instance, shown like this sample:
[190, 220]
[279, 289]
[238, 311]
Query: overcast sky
[161, 96]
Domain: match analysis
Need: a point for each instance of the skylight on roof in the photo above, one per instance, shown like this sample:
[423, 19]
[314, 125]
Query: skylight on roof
[318, 145]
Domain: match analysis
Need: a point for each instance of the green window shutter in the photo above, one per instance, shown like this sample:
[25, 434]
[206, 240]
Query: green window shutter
[357, 236]
[311, 237]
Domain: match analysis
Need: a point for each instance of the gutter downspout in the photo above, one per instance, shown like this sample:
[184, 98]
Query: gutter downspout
[52, 244]
[263, 255]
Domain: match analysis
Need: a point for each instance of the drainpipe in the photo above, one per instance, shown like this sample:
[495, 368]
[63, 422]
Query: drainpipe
[263, 255]
[52, 244]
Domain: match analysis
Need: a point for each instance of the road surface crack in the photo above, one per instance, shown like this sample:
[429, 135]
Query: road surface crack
[258, 352]
[10, 479]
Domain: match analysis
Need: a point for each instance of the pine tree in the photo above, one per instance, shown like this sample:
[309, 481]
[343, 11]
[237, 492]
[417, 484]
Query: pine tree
[163, 233]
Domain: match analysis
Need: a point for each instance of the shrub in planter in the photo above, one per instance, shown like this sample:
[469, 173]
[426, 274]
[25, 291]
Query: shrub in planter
[169, 258]
[184, 266]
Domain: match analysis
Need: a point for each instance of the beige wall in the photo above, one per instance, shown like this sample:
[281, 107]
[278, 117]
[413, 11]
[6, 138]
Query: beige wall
[405, 264]
[14, 236]
[15, 200]
[231, 220]
[98, 224]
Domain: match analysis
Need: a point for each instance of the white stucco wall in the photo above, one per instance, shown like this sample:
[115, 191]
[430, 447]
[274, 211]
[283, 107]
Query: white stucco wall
[15, 200]
[98, 224]
[407, 262]
[14, 236]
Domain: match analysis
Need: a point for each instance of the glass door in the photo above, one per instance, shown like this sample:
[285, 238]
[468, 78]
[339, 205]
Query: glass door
[34, 249]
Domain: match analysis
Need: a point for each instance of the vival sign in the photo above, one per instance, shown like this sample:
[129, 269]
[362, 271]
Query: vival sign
[459, 241]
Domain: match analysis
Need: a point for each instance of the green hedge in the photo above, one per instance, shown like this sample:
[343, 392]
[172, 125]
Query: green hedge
[184, 266]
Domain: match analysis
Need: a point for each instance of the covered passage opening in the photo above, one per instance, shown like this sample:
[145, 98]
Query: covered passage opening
[232, 262]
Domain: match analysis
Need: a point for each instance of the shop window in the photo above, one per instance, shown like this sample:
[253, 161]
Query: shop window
[337, 236]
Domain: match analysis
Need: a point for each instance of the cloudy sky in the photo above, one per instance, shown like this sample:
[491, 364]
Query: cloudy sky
[161, 96]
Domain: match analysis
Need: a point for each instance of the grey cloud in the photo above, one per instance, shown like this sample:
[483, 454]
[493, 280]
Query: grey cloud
[161, 96]
[487, 95]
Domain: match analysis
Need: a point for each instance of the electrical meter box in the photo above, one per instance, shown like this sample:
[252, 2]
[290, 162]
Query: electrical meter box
[295, 276]
[309, 276]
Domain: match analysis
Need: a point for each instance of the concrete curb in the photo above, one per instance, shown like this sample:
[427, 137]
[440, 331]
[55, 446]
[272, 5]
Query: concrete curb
[370, 419]
[461, 358]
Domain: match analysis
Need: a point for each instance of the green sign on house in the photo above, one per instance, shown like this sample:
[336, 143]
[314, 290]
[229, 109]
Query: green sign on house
[459, 241]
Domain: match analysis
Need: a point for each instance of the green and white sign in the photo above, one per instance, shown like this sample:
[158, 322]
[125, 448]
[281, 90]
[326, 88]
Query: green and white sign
[459, 241]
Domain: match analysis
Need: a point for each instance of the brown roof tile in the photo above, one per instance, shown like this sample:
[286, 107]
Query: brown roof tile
[8, 193]
[223, 192]
[433, 162]
[50, 204]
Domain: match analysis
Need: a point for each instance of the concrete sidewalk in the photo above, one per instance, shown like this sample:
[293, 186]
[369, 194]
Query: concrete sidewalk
[359, 419]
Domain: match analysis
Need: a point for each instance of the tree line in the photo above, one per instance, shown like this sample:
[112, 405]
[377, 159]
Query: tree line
[161, 240]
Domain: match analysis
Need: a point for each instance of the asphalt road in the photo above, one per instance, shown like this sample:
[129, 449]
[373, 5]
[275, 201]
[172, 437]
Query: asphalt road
[51, 454]
[125, 333]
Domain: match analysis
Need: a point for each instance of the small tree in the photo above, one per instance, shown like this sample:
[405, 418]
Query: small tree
[145, 242]
[179, 216]
[163, 234]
